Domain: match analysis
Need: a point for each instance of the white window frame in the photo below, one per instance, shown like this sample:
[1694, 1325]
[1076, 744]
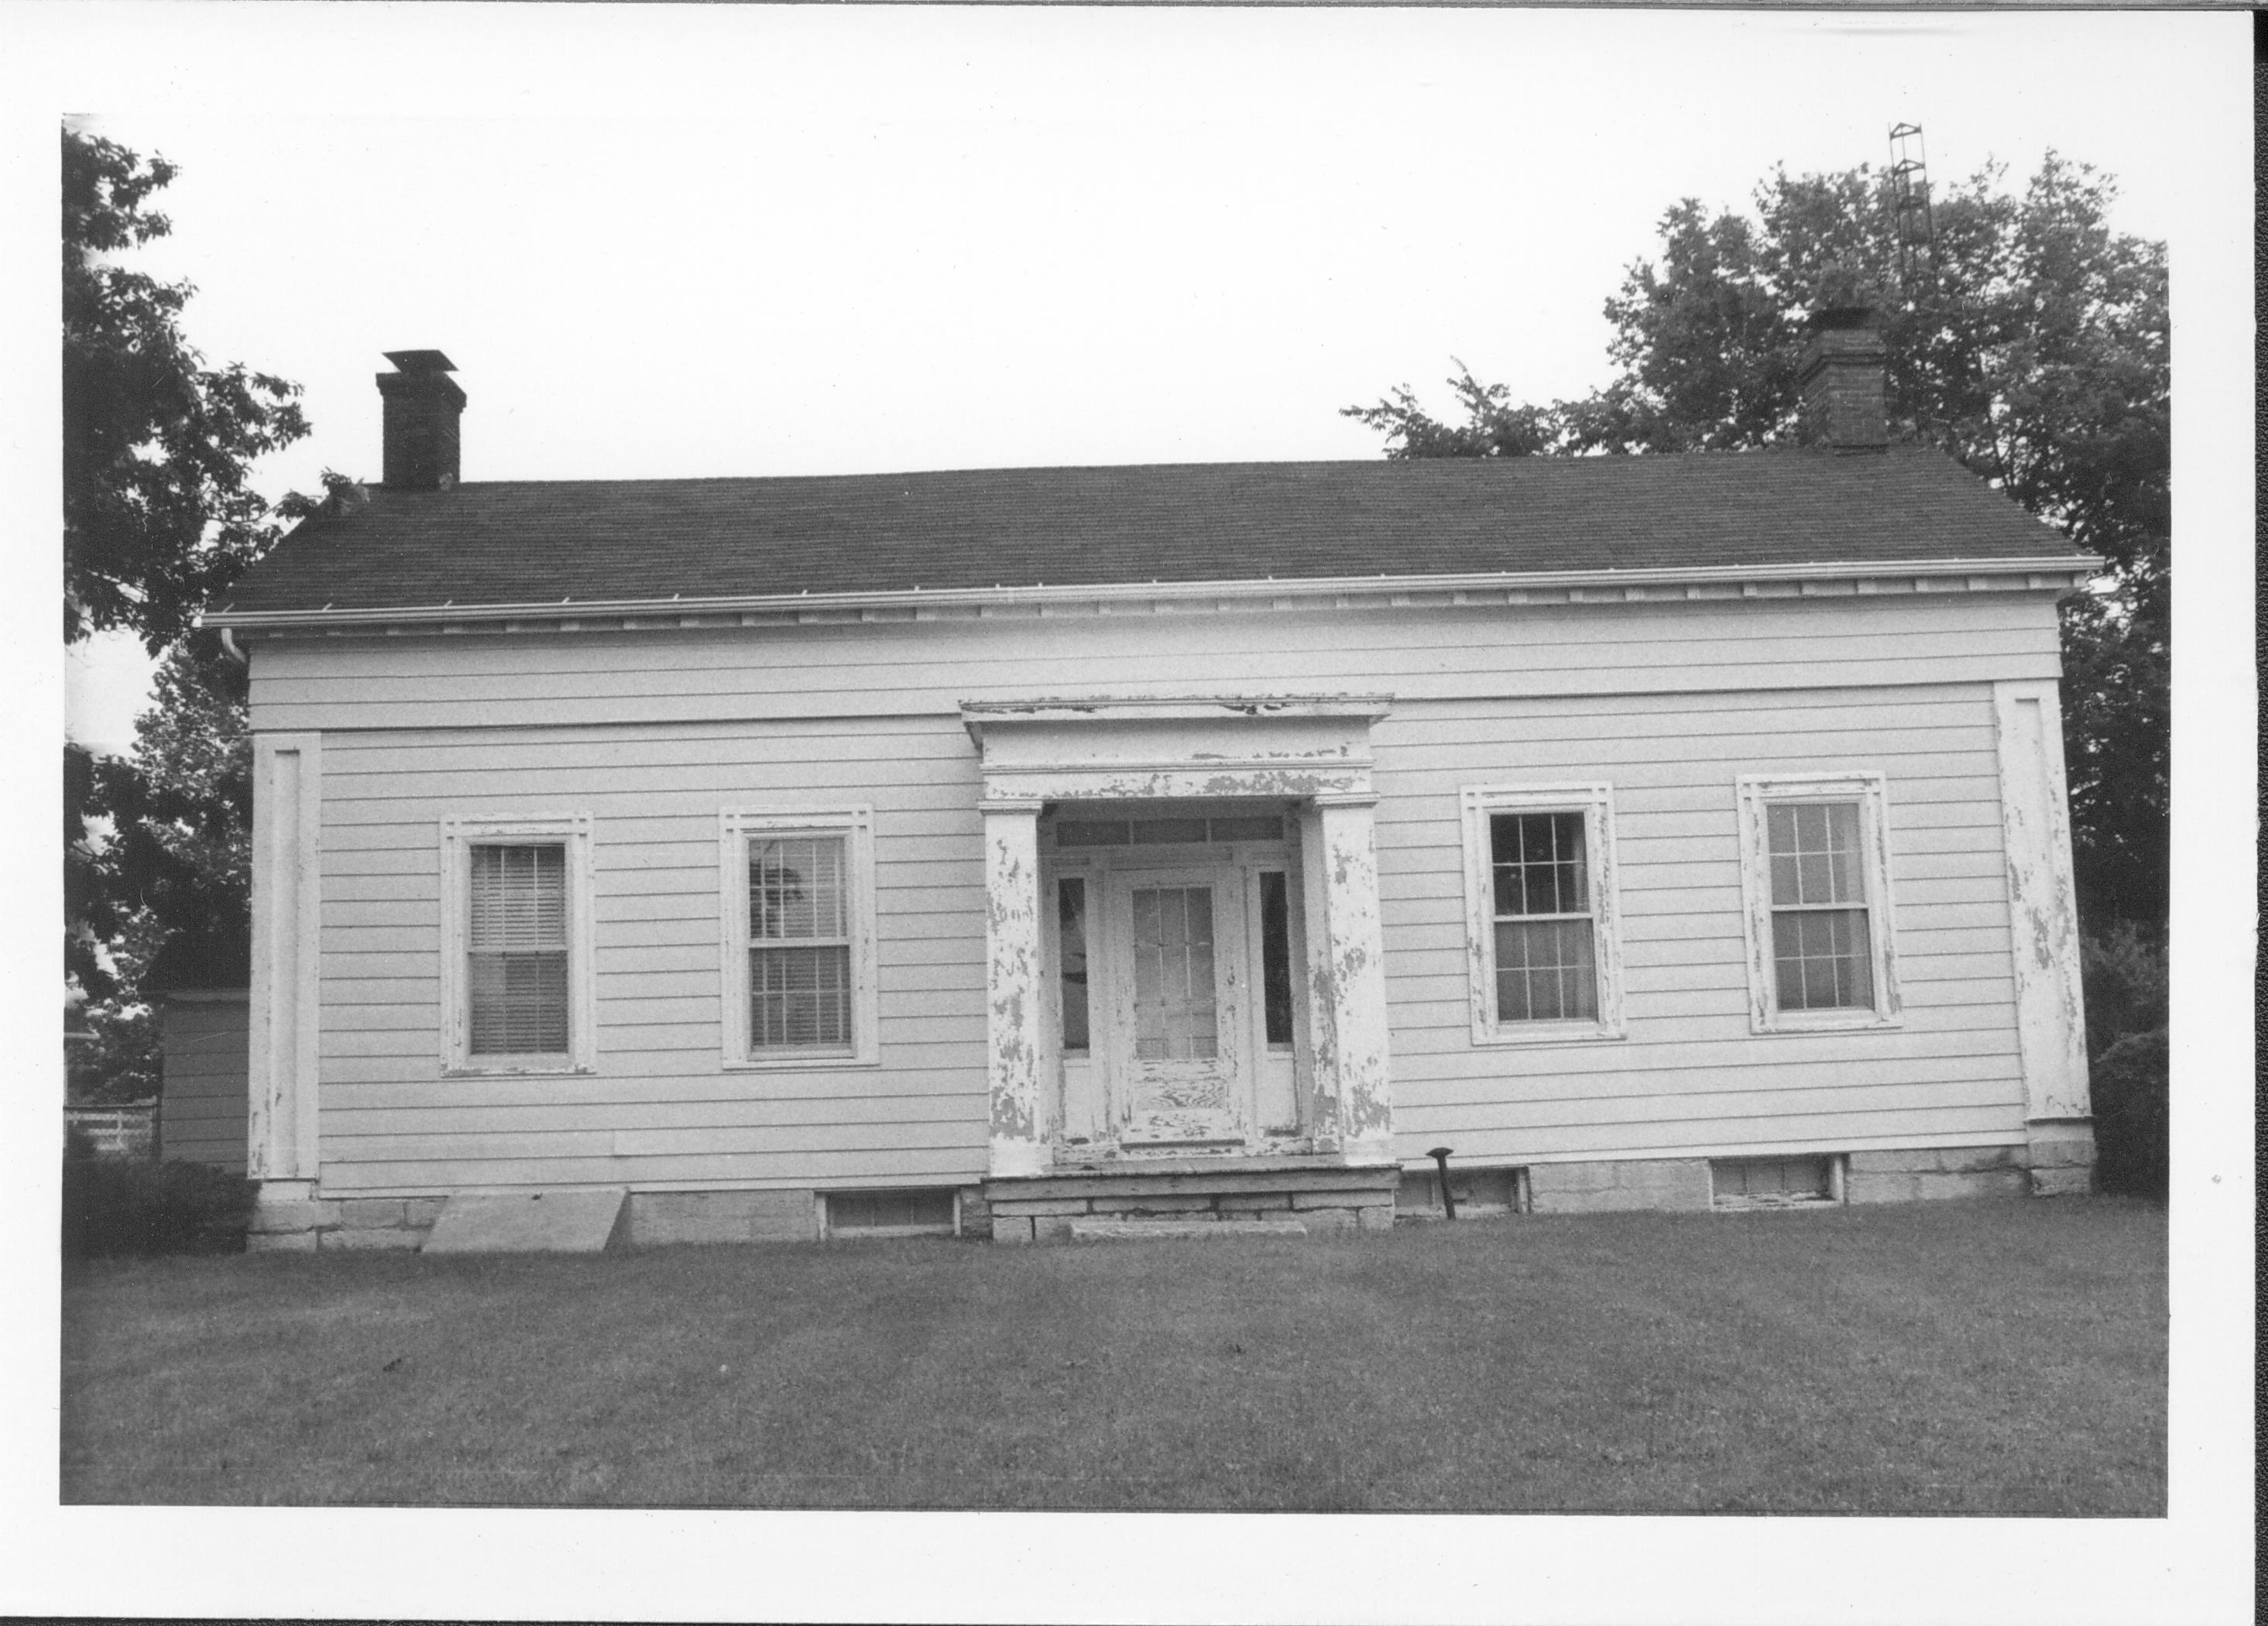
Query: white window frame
[1595, 802]
[1753, 794]
[855, 827]
[459, 837]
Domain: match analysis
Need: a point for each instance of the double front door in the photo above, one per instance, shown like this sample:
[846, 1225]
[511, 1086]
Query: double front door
[1184, 971]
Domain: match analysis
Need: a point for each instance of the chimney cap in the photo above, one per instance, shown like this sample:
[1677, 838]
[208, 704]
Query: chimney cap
[420, 361]
[1839, 316]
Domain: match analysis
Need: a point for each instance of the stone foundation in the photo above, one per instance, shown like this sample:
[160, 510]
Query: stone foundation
[659, 1219]
[289, 1222]
[2058, 1159]
[2061, 1153]
[1669, 1183]
[288, 1219]
[1323, 1196]
[1932, 1174]
[1480, 1194]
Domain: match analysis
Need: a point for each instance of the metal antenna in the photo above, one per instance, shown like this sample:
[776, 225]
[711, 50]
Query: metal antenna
[1915, 226]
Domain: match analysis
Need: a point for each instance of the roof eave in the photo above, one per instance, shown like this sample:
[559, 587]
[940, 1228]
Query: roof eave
[2061, 572]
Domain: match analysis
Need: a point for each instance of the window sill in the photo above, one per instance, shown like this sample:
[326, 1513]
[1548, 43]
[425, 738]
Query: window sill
[1823, 1022]
[521, 1067]
[796, 1063]
[1544, 1034]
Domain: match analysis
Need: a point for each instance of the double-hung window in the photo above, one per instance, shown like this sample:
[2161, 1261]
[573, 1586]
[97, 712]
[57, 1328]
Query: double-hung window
[798, 938]
[1816, 875]
[1541, 926]
[516, 944]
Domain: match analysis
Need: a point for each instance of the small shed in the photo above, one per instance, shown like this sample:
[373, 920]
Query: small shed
[201, 984]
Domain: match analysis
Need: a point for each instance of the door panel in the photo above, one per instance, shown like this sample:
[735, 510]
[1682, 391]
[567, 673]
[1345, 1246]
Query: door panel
[1176, 1006]
[1177, 1044]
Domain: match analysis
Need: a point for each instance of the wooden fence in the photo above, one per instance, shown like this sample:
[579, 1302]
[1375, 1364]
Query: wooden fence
[128, 1132]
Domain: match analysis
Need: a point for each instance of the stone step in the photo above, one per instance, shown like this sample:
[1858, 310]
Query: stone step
[1172, 1230]
[1134, 1180]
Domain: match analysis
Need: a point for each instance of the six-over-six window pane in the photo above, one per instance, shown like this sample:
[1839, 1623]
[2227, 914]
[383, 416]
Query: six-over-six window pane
[1821, 947]
[517, 985]
[1546, 949]
[800, 974]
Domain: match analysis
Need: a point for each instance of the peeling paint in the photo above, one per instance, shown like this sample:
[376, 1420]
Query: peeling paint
[1013, 986]
[2050, 1010]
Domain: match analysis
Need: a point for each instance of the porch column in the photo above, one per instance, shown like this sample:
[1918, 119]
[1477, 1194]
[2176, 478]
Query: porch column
[1346, 976]
[1011, 984]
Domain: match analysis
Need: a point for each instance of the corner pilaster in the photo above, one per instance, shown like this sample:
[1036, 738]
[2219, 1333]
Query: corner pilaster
[287, 794]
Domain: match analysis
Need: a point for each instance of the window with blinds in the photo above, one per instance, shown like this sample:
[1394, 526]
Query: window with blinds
[517, 976]
[801, 994]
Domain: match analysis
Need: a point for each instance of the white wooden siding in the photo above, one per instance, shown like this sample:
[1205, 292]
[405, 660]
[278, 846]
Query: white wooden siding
[660, 1109]
[1690, 1073]
[652, 736]
[207, 1069]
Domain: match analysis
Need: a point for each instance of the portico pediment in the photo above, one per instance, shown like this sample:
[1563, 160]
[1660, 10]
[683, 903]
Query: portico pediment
[1214, 746]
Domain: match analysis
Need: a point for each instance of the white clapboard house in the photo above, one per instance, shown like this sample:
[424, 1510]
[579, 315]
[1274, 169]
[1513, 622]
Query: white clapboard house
[1024, 852]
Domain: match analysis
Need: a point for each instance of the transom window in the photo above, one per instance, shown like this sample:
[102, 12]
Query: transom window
[1540, 908]
[798, 938]
[1815, 873]
[1167, 831]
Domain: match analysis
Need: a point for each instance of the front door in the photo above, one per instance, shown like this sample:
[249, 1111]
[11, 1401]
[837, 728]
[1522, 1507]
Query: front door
[1179, 1016]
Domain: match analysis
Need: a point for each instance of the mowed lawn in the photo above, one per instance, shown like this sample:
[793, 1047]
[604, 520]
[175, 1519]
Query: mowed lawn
[1994, 1357]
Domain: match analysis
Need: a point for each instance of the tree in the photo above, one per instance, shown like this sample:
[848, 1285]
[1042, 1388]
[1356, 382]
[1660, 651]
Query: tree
[181, 806]
[168, 892]
[159, 515]
[2031, 345]
[159, 510]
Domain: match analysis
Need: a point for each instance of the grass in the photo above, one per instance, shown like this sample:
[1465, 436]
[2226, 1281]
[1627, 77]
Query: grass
[1973, 1359]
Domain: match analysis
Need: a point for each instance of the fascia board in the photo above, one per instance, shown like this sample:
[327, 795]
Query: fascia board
[2073, 569]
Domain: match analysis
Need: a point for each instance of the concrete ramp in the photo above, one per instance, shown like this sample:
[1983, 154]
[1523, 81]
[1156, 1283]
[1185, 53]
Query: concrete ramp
[533, 1222]
[1173, 1230]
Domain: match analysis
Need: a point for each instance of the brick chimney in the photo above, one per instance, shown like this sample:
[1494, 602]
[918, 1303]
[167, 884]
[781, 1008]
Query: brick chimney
[422, 405]
[1841, 380]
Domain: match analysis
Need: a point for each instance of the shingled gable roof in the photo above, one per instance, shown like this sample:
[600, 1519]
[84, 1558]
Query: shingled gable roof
[543, 543]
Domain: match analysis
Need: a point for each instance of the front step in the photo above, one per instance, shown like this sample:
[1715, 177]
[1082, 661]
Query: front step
[1172, 1230]
[1222, 1196]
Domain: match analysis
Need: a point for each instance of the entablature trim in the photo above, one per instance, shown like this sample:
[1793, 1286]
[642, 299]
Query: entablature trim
[2060, 573]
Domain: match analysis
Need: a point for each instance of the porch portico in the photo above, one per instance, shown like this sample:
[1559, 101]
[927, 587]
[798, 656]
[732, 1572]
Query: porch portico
[1185, 986]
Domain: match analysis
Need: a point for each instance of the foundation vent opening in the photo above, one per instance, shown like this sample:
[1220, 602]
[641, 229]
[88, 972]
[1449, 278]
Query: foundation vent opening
[1809, 1181]
[889, 1213]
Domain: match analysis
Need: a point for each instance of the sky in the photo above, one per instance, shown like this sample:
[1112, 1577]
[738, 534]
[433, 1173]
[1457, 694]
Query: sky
[664, 240]
[816, 241]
